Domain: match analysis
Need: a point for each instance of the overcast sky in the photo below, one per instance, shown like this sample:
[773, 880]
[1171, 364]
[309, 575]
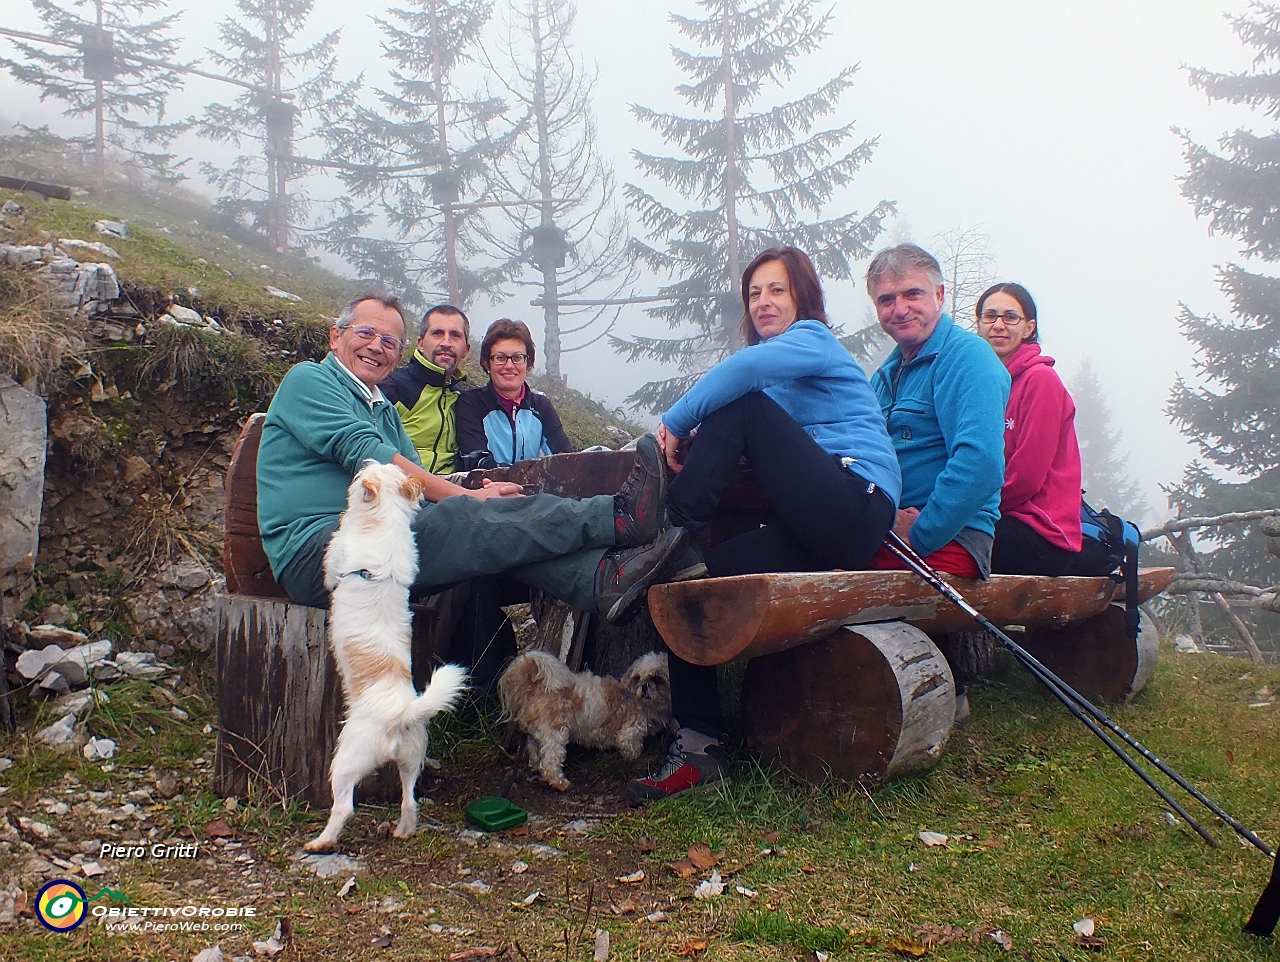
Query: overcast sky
[1047, 125]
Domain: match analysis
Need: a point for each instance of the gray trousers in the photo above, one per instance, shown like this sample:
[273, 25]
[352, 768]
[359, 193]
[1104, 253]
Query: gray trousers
[546, 542]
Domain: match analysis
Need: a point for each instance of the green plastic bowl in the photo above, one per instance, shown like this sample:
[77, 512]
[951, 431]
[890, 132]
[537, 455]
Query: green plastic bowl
[495, 814]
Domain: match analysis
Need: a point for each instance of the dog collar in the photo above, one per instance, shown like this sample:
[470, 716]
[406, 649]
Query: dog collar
[364, 573]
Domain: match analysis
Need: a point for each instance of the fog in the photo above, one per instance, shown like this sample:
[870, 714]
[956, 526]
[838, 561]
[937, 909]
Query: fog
[1046, 126]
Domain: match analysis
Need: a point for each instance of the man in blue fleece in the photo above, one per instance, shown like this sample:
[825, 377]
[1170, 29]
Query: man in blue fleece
[943, 392]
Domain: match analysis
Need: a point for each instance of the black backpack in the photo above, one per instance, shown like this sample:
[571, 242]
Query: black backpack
[1121, 540]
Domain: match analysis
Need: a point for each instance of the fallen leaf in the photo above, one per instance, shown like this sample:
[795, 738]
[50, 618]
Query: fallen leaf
[22, 906]
[517, 830]
[692, 948]
[770, 837]
[219, 828]
[683, 868]
[1001, 939]
[601, 952]
[1094, 943]
[381, 942]
[527, 901]
[820, 956]
[658, 916]
[700, 855]
[901, 945]
[745, 892]
[347, 886]
[480, 952]
[625, 907]
[645, 844]
[808, 870]
[1083, 927]
[932, 934]
[636, 876]
[990, 843]
[934, 839]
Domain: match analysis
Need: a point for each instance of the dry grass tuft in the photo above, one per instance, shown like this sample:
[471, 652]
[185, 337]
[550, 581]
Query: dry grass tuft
[37, 337]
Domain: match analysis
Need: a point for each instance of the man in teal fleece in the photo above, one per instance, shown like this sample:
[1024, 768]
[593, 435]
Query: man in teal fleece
[328, 419]
[943, 392]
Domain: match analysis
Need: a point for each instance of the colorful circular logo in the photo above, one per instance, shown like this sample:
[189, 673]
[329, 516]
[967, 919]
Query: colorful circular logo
[60, 905]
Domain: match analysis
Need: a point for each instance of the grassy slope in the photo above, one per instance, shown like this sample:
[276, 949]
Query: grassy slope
[1060, 832]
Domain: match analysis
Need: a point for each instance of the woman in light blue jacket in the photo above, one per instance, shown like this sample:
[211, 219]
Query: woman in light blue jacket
[798, 407]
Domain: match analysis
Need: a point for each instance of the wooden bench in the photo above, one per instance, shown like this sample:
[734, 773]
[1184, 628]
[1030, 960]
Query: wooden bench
[843, 677]
[279, 693]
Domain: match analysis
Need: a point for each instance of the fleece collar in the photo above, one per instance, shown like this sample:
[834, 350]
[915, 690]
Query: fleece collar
[370, 396]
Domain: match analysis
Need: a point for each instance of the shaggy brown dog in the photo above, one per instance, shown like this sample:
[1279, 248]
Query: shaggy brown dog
[554, 707]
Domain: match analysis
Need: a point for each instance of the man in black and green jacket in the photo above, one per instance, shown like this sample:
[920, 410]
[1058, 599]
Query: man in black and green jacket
[425, 389]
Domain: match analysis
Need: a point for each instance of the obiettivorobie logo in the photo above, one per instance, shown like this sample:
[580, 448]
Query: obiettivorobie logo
[61, 905]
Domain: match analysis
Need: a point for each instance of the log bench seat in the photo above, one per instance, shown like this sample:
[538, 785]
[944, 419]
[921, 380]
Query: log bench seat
[843, 678]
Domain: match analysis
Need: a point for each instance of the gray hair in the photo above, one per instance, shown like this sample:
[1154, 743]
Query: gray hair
[386, 300]
[900, 260]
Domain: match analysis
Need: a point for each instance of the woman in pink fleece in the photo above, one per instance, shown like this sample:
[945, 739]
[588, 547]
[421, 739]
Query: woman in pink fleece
[1039, 527]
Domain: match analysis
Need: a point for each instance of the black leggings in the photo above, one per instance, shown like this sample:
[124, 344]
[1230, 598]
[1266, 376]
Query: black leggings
[1020, 550]
[826, 517]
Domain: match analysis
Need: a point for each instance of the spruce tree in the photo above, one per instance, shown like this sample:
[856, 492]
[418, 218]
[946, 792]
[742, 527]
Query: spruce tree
[255, 48]
[1233, 412]
[756, 174]
[416, 162]
[572, 240]
[125, 97]
[1104, 475]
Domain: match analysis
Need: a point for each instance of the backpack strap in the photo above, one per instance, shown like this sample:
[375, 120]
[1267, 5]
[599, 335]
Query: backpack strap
[1127, 541]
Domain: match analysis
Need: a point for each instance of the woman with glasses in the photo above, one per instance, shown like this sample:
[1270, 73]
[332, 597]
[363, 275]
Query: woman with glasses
[1039, 528]
[507, 417]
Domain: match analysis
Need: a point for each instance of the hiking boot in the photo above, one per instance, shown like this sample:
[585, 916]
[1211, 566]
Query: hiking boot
[624, 573]
[684, 564]
[693, 761]
[640, 508]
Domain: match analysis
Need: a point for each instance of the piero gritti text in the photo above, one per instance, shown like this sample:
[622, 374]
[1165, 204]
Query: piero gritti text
[157, 851]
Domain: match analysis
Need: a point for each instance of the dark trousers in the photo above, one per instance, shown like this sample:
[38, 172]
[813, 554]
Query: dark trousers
[1019, 550]
[825, 517]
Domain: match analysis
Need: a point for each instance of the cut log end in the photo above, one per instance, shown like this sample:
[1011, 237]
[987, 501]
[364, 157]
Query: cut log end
[1096, 657]
[870, 703]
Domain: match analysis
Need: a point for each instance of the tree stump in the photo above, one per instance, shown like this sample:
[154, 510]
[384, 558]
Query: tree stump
[280, 703]
[1096, 657]
[867, 703]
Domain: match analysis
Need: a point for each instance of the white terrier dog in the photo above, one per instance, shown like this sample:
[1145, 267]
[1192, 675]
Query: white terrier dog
[369, 566]
[554, 706]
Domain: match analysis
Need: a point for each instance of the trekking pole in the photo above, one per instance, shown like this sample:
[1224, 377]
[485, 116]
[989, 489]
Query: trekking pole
[1074, 701]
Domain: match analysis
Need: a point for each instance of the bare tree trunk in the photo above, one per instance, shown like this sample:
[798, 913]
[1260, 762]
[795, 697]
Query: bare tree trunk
[450, 225]
[550, 283]
[731, 174]
[1255, 655]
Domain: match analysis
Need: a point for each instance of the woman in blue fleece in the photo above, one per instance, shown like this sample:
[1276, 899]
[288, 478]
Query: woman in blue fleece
[796, 404]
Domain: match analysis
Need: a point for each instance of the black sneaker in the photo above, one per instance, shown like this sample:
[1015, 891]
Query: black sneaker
[682, 770]
[640, 508]
[624, 573]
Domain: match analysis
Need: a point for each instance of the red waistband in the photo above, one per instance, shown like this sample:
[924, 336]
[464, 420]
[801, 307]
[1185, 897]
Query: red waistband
[950, 558]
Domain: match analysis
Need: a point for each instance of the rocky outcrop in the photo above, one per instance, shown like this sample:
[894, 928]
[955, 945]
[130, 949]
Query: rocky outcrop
[22, 455]
[86, 288]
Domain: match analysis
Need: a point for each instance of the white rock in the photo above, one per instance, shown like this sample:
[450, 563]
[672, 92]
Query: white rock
[59, 733]
[475, 887]
[99, 749]
[112, 228]
[212, 954]
[94, 246]
[276, 292]
[185, 315]
[78, 662]
[75, 703]
[601, 953]
[33, 662]
[56, 635]
[1083, 927]
[323, 866]
[140, 664]
[92, 869]
[52, 681]
[106, 671]
[39, 829]
[5, 763]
